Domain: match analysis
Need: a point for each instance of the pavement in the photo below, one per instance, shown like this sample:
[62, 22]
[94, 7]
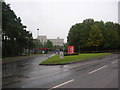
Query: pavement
[27, 73]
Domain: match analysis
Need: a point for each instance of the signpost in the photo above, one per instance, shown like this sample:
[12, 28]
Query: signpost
[70, 49]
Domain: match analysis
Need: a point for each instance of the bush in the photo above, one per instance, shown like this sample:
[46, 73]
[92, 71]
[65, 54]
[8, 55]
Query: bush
[70, 54]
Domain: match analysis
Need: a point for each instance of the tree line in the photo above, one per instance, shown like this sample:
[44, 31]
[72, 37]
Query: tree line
[93, 35]
[15, 37]
[47, 44]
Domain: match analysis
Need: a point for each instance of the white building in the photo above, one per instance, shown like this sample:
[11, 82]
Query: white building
[57, 41]
[42, 39]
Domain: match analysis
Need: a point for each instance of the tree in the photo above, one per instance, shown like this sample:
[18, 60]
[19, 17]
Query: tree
[111, 36]
[49, 44]
[90, 34]
[78, 36]
[95, 37]
[58, 47]
[37, 44]
[65, 47]
[15, 38]
[117, 28]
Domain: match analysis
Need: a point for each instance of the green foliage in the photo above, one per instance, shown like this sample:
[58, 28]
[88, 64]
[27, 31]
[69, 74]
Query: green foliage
[58, 47]
[37, 44]
[95, 37]
[49, 45]
[65, 47]
[111, 36]
[91, 34]
[15, 38]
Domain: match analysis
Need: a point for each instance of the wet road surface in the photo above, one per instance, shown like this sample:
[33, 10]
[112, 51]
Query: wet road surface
[27, 73]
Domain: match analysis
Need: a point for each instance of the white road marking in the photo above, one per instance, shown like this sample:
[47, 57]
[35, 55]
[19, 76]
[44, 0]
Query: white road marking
[65, 66]
[65, 70]
[97, 69]
[63, 83]
[114, 61]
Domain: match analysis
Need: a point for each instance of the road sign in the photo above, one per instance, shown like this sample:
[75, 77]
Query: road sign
[70, 49]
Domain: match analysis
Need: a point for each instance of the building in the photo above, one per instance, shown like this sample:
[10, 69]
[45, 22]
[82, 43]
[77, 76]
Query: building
[119, 12]
[58, 41]
[42, 39]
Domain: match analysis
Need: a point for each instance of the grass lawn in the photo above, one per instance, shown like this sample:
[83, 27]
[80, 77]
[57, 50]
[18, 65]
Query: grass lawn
[56, 59]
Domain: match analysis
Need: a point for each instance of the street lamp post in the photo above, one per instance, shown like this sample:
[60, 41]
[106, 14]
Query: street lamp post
[37, 33]
[38, 40]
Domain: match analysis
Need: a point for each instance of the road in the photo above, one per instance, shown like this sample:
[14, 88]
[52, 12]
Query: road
[27, 73]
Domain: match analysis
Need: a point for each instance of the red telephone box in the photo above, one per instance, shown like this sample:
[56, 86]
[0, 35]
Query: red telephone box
[70, 49]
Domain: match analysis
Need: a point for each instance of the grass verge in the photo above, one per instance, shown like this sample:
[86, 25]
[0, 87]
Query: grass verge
[67, 59]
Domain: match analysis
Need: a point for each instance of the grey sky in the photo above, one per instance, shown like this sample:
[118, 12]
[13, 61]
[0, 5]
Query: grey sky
[55, 17]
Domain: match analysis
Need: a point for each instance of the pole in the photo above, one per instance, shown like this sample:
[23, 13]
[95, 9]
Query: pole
[37, 39]
[37, 33]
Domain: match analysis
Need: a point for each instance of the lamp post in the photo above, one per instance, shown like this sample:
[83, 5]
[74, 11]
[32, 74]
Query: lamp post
[37, 33]
[38, 40]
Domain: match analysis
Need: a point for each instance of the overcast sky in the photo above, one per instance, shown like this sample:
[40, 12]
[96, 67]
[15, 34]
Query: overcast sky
[55, 17]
